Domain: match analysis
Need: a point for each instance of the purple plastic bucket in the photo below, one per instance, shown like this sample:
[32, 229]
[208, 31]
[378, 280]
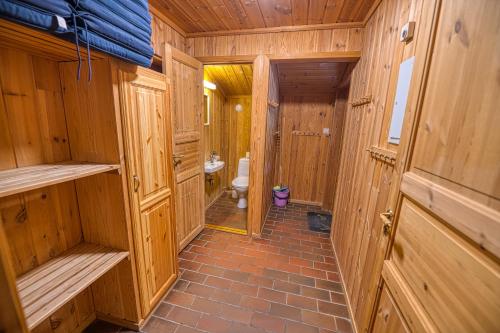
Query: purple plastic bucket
[281, 198]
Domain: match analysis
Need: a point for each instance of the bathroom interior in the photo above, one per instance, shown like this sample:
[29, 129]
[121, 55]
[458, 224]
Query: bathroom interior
[227, 116]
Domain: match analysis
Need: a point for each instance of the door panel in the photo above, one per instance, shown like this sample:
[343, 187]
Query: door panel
[447, 241]
[157, 228]
[187, 196]
[186, 75]
[459, 287]
[149, 165]
[388, 318]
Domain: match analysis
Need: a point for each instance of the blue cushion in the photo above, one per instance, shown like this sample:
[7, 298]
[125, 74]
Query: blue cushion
[117, 35]
[120, 29]
[105, 45]
[34, 16]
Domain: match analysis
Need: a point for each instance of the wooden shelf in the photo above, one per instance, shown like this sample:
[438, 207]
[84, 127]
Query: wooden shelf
[19, 180]
[46, 288]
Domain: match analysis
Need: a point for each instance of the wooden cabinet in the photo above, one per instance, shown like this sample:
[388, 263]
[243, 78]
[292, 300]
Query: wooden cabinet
[66, 248]
[147, 130]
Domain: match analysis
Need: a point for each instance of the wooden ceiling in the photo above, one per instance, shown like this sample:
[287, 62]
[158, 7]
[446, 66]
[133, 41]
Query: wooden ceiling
[312, 78]
[218, 15]
[231, 79]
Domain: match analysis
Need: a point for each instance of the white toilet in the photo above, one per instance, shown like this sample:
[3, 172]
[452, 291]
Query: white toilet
[240, 183]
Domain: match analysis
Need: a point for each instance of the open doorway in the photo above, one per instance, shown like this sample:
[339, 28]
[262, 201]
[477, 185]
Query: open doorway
[227, 122]
[301, 126]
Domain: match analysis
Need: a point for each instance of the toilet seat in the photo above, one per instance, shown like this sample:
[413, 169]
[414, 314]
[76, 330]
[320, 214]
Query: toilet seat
[241, 182]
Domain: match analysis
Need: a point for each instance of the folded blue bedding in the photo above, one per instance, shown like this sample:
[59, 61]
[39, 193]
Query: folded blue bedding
[119, 27]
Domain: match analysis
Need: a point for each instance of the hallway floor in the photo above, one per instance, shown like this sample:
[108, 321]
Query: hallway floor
[286, 282]
[224, 213]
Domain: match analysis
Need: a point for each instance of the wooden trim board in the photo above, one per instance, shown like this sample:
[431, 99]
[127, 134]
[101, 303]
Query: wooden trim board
[288, 28]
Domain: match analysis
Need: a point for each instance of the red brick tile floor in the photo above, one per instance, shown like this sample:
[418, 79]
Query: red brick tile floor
[224, 212]
[286, 282]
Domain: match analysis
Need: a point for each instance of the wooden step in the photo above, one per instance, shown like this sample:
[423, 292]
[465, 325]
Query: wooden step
[48, 287]
[19, 180]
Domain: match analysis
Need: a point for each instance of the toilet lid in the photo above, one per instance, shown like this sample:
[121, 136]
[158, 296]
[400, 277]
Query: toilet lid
[240, 181]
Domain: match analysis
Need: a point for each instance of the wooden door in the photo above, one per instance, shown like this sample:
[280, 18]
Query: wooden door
[186, 75]
[305, 146]
[145, 98]
[444, 267]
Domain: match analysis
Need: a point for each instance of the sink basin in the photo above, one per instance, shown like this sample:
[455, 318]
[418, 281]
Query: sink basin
[211, 167]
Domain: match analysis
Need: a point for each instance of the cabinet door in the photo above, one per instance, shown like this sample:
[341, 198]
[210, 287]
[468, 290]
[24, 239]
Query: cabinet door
[148, 136]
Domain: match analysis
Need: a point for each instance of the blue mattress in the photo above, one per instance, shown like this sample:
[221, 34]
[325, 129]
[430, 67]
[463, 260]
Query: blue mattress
[121, 28]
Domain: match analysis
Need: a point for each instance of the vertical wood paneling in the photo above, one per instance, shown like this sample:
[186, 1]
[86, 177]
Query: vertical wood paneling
[333, 161]
[162, 33]
[238, 132]
[215, 139]
[364, 190]
[271, 153]
[304, 147]
[277, 43]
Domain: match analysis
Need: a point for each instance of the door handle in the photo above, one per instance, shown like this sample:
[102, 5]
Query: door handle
[387, 220]
[389, 214]
[137, 183]
[177, 159]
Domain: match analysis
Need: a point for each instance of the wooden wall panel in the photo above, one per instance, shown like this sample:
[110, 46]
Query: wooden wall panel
[215, 139]
[277, 43]
[238, 132]
[163, 32]
[271, 153]
[363, 192]
[260, 90]
[333, 161]
[304, 147]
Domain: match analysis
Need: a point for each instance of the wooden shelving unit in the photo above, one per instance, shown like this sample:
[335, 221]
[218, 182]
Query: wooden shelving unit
[19, 180]
[48, 287]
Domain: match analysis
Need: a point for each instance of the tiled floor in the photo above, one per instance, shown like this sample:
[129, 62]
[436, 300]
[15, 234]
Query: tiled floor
[224, 212]
[286, 282]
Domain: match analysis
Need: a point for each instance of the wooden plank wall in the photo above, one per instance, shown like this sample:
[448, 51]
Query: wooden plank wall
[237, 137]
[333, 160]
[277, 43]
[216, 140]
[363, 192]
[271, 151]
[304, 147]
[163, 32]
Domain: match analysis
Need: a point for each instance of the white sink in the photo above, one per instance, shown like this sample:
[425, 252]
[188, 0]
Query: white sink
[211, 167]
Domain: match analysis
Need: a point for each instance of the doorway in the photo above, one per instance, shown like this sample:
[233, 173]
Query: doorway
[227, 120]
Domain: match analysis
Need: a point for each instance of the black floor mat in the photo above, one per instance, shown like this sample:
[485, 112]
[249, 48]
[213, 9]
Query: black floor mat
[319, 222]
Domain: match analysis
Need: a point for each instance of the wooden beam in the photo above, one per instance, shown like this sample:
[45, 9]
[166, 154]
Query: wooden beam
[223, 60]
[336, 56]
[345, 25]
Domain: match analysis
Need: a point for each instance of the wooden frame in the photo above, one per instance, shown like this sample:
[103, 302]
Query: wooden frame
[260, 103]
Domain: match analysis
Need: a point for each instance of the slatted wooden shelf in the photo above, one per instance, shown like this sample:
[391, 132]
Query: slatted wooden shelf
[19, 180]
[47, 288]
